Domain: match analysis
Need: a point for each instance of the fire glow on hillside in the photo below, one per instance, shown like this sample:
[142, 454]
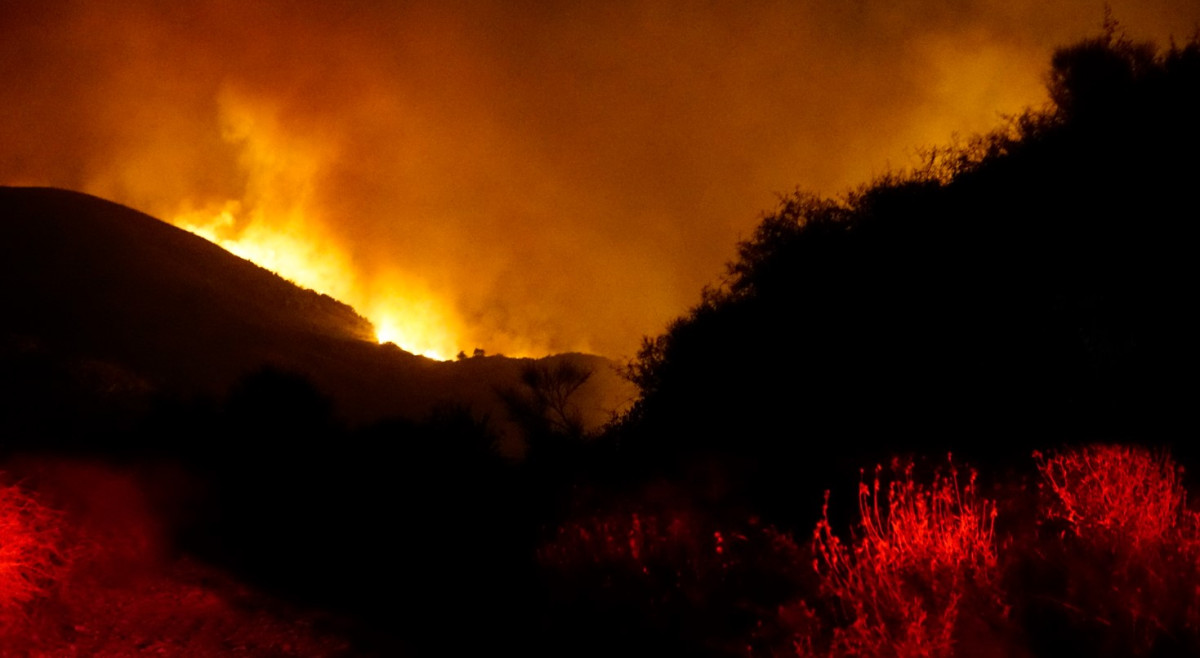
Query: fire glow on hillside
[526, 180]
[270, 226]
[404, 317]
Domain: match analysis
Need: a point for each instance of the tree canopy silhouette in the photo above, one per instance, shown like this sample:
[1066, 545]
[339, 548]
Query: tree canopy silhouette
[1030, 284]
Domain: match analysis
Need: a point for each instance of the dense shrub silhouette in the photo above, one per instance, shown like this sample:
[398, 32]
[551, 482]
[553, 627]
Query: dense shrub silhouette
[1028, 286]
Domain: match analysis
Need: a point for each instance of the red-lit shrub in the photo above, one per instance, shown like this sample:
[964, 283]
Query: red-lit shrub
[919, 557]
[1122, 496]
[32, 559]
[83, 573]
[1124, 549]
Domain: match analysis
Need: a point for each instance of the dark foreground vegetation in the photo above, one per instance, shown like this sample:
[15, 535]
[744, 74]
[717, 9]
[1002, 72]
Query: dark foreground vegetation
[1027, 290]
[1029, 286]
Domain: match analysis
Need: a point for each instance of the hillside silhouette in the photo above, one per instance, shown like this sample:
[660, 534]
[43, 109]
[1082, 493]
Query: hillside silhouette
[111, 308]
[1027, 287]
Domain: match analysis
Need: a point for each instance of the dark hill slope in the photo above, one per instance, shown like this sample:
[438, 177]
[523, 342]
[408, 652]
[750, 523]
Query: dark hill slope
[105, 306]
[1036, 286]
[92, 278]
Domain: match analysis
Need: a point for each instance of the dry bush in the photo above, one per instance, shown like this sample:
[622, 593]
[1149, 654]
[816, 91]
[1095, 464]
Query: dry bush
[1124, 497]
[32, 557]
[920, 556]
[1127, 547]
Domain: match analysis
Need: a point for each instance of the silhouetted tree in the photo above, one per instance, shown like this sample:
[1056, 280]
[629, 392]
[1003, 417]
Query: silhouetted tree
[544, 406]
[1100, 74]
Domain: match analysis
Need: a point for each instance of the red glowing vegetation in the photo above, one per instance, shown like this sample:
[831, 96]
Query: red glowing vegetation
[1105, 560]
[1120, 495]
[32, 557]
[1110, 568]
[897, 588]
[81, 574]
[1130, 547]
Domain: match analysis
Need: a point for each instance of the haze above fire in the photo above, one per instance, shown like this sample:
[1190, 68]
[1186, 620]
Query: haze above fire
[522, 177]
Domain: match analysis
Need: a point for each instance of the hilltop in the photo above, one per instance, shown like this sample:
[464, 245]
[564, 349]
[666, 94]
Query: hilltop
[108, 308]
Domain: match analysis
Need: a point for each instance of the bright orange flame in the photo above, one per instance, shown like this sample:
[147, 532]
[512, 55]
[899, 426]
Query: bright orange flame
[273, 226]
[406, 316]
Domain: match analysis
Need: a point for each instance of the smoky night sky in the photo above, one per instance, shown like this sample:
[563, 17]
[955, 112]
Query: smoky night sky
[524, 177]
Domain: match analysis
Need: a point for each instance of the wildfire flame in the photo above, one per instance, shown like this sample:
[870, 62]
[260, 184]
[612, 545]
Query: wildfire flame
[407, 315]
[273, 228]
